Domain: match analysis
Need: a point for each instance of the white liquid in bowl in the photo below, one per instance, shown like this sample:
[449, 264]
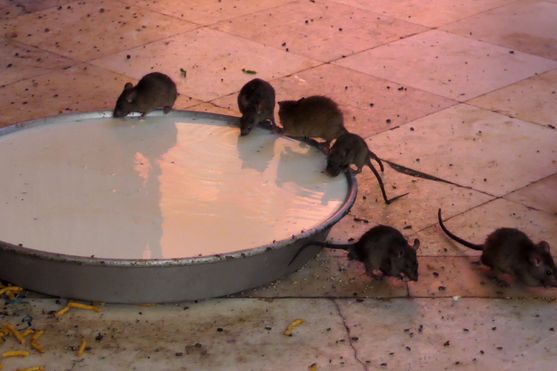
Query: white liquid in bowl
[164, 187]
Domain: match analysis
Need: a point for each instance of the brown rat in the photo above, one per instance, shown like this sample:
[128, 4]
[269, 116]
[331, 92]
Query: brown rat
[508, 250]
[383, 250]
[351, 149]
[256, 102]
[154, 90]
[316, 116]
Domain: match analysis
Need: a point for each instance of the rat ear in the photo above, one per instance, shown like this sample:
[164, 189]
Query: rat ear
[545, 246]
[535, 260]
[281, 103]
[131, 96]
[416, 245]
[128, 86]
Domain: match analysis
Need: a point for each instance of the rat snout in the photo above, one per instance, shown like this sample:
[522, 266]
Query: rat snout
[118, 114]
[411, 275]
[332, 169]
[245, 130]
[247, 123]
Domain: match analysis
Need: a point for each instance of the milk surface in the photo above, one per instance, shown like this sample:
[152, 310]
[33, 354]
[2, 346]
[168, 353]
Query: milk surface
[165, 187]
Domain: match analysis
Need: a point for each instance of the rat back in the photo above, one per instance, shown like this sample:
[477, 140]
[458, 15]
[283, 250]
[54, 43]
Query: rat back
[348, 149]
[257, 94]
[385, 248]
[359, 152]
[256, 102]
[155, 90]
[511, 251]
[315, 116]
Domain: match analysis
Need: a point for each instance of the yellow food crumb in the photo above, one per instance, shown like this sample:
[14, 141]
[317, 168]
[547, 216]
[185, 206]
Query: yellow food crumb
[312, 367]
[37, 335]
[28, 331]
[15, 353]
[38, 347]
[61, 312]
[15, 333]
[292, 326]
[34, 368]
[10, 290]
[72, 304]
[81, 348]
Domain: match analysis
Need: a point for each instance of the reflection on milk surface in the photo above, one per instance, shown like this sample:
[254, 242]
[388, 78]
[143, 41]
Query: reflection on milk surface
[163, 187]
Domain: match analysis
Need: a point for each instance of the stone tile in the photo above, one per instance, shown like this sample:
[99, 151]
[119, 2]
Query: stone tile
[332, 275]
[449, 65]
[541, 195]
[207, 12]
[528, 26]
[411, 213]
[533, 99]
[20, 61]
[322, 30]
[213, 61]
[460, 148]
[542, 355]
[470, 334]
[475, 225]
[78, 89]
[13, 8]
[80, 30]
[187, 336]
[464, 276]
[370, 105]
[427, 13]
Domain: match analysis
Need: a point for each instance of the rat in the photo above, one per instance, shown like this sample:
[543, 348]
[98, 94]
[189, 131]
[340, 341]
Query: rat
[351, 149]
[383, 250]
[154, 90]
[508, 250]
[256, 102]
[315, 116]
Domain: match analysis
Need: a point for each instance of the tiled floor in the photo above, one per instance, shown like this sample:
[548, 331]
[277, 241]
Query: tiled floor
[462, 90]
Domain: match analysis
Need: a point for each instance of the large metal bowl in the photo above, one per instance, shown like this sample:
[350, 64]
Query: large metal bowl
[157, 280]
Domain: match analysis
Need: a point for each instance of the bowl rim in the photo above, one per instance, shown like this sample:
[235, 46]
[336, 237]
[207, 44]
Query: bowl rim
[20, 250]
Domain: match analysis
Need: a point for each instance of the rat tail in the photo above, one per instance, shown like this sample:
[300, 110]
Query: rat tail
[347, 246]
[456, 238]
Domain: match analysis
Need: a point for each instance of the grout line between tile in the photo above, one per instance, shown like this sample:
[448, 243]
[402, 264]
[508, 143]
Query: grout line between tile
[146, 8]
[236, 92]
[349, 335]
[475, 14]
[212, 26]
[433, 93]
[487, 41]
[470, 103]
[348, 297]
[529, 348]
[495, 198]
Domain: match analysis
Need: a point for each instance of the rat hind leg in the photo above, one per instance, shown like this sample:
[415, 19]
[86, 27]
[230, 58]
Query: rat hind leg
[376, 158]
[380, 181]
